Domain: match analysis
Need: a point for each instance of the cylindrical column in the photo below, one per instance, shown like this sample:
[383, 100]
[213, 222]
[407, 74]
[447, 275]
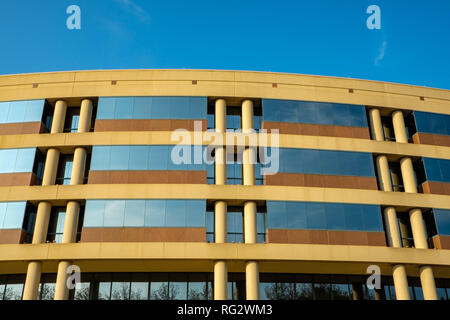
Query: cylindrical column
[249, 156]
[428, 284]
[220, 153]
[31, 287]
[247, 116]
[252, 280]
[220, 280]
[250, 225]
[408, 177]
[400, 282]
[220, 221]
[376, 128]
[418, 229]
[41, 224]
[59, 116]
[51, 167]
[61, 290]
[392, 231]
[84, 123]
[398, 123]
[78, 167]
[71, 222]
[384, 175]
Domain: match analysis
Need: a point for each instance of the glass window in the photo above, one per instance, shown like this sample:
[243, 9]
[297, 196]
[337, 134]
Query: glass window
[271, 111]
[120, 291]
[82, 291]
[134, 213]
[114, 213]
[16, 111]
[25, 160]
[124, 108]
[159, 290]
[34, 110]
[14, 215]
[175, 213]
[142, 108]
[155, 213]
[4, 109]
[56, 225]
[195, 213]
[119, 157]
[442, 218]
[371, 218]
[315, 214]
[353, 217]
[105, 108]
[139, 291]
[7, 160]
[335, 216]
[158, 157]
[296, 215]
[329, 163]
[432, 169]
[100, 158]
[178, 290]
[104, 290]
[3, 206]
[93, 214]
[138, 158]
[160, 108]
[433, 123]
[13, 291]
[277, 217]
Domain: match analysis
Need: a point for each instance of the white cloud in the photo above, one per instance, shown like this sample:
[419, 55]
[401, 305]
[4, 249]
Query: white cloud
[381, 53]
[133, 8]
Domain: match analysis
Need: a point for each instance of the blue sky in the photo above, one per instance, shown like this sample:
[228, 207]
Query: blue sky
[322, 37]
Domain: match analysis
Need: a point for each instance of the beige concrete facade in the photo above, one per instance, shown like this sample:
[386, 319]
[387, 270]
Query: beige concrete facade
[220, 258]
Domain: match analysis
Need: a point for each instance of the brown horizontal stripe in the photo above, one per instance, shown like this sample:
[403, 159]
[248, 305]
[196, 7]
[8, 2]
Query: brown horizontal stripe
[12, 236]
[432, 187]
[433, 139]
[147, 176]
[143, 235]
[356, 238]
[147, 125]
[320, 180]
[18, 179]
[22, 128]
[318, 129]
[441, 242]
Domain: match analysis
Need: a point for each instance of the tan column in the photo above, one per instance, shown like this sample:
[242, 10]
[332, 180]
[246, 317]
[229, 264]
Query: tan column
[409, 180]
[220, 280]
[428, 284]
[41, 224]
[398, 123]
[84, 123]
[59, 116]
[221, 126]
[247, 116]
[418, 229]
[220, 207]
[392, 231]
[31, 287]
[252, 280]
[400, 282]
[250, 225]
[220, 221]
[376, 128]
[51, 167]
[71, 222]
[78, 167]
[384, 175]
[61, 290]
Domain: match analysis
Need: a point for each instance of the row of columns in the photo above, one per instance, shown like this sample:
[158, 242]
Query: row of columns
[390, 215]
[220, 207]
[33, 277]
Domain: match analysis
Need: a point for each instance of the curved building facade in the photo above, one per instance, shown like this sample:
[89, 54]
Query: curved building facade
[182, 184]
